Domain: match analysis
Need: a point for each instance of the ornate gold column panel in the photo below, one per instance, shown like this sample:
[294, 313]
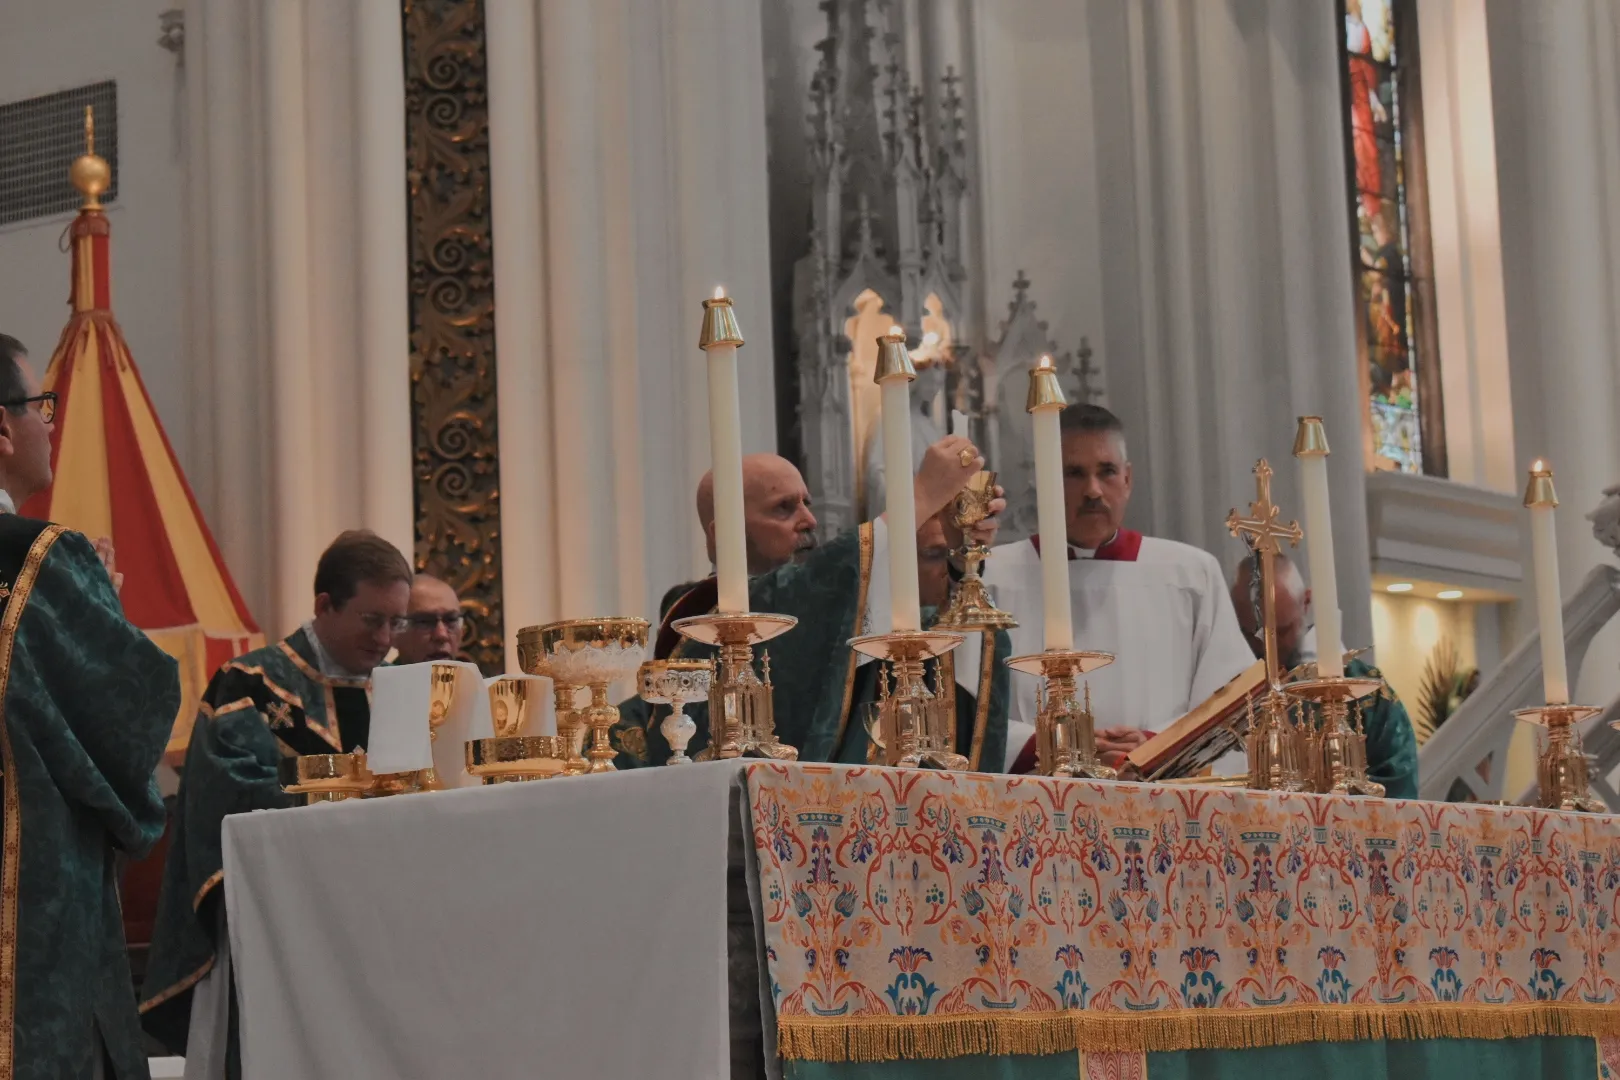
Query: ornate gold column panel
[454, 439]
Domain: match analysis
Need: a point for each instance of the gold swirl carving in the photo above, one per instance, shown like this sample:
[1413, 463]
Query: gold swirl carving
[453, 315]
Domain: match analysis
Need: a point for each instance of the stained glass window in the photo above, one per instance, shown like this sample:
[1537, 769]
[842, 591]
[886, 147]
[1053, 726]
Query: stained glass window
[1395, 334]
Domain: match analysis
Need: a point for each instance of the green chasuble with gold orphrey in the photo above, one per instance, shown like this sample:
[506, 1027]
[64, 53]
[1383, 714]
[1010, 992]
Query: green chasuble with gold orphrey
[264, 705]
[89, 703]
[819, 688]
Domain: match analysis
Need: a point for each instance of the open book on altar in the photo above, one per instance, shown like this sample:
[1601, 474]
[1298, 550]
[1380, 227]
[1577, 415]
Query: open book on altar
[1201, 737]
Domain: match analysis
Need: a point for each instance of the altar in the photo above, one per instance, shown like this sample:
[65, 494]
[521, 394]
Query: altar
[741, 919]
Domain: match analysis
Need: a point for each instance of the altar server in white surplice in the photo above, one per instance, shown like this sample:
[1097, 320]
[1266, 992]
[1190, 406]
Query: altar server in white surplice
[1159, 606]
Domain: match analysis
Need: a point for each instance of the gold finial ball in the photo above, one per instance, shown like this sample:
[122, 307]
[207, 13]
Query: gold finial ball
[91, 175]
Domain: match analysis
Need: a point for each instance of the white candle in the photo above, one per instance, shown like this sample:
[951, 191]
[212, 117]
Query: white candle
[1541, 500]
[720, 341]
[1045, 404]
[894, 374]
[1310, 447]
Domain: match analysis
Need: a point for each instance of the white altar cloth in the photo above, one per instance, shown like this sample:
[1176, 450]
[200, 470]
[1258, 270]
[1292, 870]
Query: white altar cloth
[565, 928]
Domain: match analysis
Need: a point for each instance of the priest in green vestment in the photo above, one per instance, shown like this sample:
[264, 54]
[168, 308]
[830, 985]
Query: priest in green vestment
[89, 702]
[307, 694]
[1391, 744]
[820, 683]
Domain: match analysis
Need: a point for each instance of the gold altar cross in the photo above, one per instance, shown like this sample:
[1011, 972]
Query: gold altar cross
[1262, 531]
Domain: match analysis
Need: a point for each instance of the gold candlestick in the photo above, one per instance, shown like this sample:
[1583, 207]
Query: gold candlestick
[742, 717]
[970, 607]
[1065, 729]
[1335, 754]
[916, 727]
[1561, 765]
[1273, 745]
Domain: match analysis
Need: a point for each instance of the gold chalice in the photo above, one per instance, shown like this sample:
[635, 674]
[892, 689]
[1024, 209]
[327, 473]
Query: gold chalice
[594, 653]
[676, 683]
[532, 658]
[441, 695]
[970, 607]
[511, 755]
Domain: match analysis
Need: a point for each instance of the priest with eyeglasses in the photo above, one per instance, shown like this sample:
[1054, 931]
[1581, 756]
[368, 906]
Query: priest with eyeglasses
[306, 694]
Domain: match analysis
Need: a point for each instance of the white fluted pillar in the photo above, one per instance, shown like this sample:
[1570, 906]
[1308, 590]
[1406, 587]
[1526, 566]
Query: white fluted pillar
[387, 493]
[528, 544]
[295, 523]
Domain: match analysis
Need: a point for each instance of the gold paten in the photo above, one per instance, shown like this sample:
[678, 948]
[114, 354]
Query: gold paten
[915, 726]
[1065, 727]
[1276, 747]
[1561, 765]
[970, 607]
[594, 653]
[742, 715]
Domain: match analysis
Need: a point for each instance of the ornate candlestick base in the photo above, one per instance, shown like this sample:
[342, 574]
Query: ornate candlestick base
[1561, 765]
[742, 719]
[676, 683]
[916, 727]
[1065, 730]
[1273, 748]
[594, 653]
[509, 758]
[1336, 755]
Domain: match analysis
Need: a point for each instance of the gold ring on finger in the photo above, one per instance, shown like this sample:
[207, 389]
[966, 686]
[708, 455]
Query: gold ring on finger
[966, 456]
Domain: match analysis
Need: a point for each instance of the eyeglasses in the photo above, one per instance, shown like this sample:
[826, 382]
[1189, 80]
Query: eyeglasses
[425, 621]
[45, 401]
[378, 623]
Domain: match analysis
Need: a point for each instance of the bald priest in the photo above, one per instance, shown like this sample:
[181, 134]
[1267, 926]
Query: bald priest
[1159, 606]
[820, 683]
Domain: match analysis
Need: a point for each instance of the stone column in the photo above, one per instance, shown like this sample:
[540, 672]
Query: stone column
[295, 523]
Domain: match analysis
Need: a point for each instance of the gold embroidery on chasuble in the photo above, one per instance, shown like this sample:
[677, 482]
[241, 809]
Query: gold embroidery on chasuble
[632, 740]
[280, 715]
[11, 864]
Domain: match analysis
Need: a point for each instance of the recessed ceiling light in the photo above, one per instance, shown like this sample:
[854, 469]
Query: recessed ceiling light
[1449, 594]
[1400, 586]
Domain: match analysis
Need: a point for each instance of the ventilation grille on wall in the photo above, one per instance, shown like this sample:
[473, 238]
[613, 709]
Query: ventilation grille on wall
[40, 137]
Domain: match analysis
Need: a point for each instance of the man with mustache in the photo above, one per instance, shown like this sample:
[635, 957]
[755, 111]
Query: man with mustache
[837, 591]
[1159, 606]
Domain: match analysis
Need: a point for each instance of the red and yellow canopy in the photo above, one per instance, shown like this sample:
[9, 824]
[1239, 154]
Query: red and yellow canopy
[116, 475]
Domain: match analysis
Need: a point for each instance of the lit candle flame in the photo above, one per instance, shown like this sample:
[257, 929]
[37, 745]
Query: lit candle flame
[897, 331]
[1044, 362]
[1538, 466]
[719, 292]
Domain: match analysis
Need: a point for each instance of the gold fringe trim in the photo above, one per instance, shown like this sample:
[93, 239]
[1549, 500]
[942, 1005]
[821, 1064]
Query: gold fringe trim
[893, 1038]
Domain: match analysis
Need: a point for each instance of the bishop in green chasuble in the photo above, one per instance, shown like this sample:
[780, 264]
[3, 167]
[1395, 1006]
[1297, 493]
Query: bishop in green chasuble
[263, 706]
[89, 702]
[820, 685]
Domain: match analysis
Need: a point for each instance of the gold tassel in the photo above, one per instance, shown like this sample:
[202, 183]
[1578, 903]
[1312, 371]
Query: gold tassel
[892, 1038]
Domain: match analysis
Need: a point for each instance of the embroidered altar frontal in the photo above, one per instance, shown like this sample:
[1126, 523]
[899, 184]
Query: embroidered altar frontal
[913, 914]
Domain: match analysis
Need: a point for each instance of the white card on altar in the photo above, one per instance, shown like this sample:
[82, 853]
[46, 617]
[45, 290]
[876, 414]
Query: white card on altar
[959, 423]
[401, 739]
[542, 718]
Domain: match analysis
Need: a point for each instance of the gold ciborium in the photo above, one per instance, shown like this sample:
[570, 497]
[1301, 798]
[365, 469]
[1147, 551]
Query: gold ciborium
[1561, 767]
[915, 726]
[970, 607]
[321, 778]
[594, 653]
[1334, 754]
[1065, 728]
[676, 683]
[742, 716]
[511, 755]
[441, 695]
